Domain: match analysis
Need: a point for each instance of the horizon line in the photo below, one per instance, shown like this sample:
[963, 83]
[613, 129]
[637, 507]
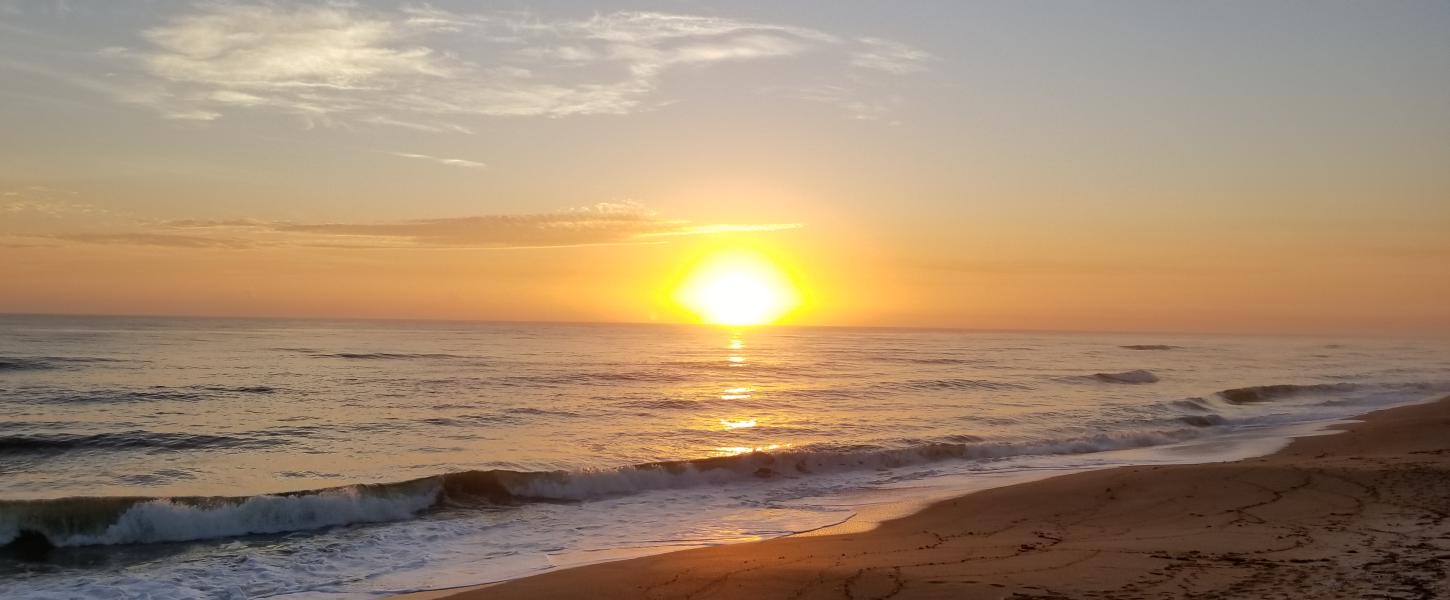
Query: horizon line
[1425, 334]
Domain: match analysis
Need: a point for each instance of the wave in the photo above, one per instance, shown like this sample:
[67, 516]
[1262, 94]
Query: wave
[942, 361]
[755, 367]
[113, 396]
[240, 389]
[23, 364]
[1203, 420]
[123, 396]
[1150, 347]
[471, 420]
[384, 355]
[108, 521]
[190, 393]
[590, 378]
[100, 521]
[955, 384]
[664, 404]
[39, 363]
[540, 411]
[1136, 376]
[104, 521]
[1267, 393]
[929, 360]
[1193, 404]
[37, 443]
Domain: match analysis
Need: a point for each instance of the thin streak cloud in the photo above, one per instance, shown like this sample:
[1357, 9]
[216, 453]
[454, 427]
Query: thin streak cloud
[165, 240]
[452, 162]
[889, 56]
[600, 224]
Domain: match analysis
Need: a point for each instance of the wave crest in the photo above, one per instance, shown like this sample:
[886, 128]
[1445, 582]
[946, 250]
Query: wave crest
[35, 443]
[38, 363]
[1266, 393]
[90, 521]
[107, 521]
[1135, 376]
[100, 521]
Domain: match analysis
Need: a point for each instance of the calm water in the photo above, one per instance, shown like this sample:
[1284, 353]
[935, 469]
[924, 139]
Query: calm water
[432, 454]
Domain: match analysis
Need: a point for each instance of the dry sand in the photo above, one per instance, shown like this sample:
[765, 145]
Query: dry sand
[1359, 514]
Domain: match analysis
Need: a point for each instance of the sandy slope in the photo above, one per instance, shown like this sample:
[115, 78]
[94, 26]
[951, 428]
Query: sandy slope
[1361, 514]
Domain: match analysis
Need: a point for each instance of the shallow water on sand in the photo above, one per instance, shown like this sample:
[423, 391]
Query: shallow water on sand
[160, 456]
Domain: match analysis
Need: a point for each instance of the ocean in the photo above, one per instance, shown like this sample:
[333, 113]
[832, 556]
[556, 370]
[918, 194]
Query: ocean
[248, 458]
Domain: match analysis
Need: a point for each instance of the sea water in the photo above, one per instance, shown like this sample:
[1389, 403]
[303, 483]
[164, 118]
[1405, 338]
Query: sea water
[244, 458]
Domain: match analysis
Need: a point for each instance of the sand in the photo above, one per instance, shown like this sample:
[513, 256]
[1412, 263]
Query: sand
[1358, 514]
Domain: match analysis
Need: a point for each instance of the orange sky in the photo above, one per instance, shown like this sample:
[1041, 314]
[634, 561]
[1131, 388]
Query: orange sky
[1234, 167]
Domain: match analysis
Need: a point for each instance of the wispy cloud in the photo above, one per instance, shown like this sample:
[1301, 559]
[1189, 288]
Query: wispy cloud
[426, 69]
[41, 200]
[685, 229]
[166, 240]
[1037, 267]
[888, 56]
[600, 224]
[452, 162]
[843, 98]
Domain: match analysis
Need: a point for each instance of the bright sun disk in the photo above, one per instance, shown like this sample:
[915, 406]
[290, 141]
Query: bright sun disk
[737, 288]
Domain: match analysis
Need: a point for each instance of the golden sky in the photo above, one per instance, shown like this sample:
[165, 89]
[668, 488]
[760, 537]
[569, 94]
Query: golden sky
[1225, 166]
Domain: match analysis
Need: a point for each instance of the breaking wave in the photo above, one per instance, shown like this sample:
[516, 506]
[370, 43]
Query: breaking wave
[142, 520]
[1203, 420]
[103, 521]
[106, 521]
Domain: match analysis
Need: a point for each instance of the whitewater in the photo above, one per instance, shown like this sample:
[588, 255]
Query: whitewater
[233, 458]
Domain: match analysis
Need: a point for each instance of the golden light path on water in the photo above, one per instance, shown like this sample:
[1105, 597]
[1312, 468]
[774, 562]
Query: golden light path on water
[735, 357]
[738, 288]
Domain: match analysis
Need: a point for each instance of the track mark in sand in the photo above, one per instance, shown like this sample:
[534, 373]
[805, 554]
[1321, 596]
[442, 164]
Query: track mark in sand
[1275, 496]
[719, 581]
[648, 591]
[805, 589]
[893, 575]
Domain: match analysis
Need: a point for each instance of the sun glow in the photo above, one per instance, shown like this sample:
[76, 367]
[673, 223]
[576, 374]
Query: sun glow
[737, 288]
[738, 450]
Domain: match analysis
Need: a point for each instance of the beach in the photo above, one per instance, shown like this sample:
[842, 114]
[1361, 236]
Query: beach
[1357, 514]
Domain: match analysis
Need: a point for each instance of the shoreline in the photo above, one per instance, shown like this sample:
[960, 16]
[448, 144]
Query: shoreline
[1318, 515]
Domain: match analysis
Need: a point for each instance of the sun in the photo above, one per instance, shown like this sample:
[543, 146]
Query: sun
[738, 288]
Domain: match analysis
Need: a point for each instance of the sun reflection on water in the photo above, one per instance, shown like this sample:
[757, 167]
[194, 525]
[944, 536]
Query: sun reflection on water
[736, 393]
[738, 450]
[736, 358]
[737, 422]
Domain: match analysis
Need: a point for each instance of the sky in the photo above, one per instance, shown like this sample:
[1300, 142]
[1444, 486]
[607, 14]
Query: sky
[1239, 166]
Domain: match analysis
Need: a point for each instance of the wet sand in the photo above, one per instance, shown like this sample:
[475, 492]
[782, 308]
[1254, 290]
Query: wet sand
[1360, 514]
